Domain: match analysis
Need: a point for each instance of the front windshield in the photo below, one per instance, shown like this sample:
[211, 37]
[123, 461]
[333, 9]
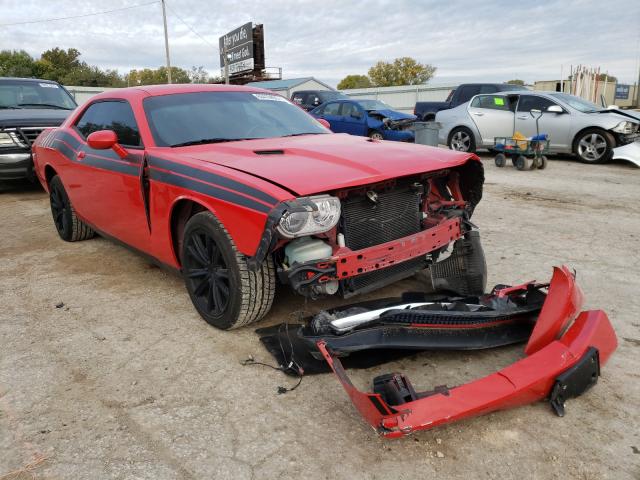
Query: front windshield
[374, 105]
[30, 94]
[578, 103]
[208, 117]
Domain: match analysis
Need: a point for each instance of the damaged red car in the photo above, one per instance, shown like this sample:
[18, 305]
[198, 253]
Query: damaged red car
[238, 189]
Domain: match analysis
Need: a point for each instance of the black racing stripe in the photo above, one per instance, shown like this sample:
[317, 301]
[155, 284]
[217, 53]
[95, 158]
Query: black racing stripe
[208, 190]
[65, 149]
[211, 178]
[78, 145]
[67, 137]
[105, 164]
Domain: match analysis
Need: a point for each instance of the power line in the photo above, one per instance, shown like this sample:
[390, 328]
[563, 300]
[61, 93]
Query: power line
[78, 16]
[191, 28]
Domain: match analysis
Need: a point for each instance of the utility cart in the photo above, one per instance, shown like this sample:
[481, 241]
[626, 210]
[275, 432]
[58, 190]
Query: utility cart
[526, 154]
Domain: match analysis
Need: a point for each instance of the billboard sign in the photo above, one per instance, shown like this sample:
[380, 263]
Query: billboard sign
[238, 45]
[622, 92]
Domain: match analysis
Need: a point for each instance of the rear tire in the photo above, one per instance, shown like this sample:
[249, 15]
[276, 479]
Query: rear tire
[69, 226]
[500, 160]
[461, 139]
[223, 290]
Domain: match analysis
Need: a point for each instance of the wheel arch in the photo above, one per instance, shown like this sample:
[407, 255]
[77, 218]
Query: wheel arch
[182, 210]
[474, 133]
[49, 173]
[244, 226]
[574, 140]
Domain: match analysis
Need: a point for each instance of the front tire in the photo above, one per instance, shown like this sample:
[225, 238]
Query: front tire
[69, 226]
[375, 135]
[594, 146]
[461, 139]
[223, 290]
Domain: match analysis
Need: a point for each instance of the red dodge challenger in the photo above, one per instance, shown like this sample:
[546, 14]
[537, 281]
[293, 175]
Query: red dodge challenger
[237, 188]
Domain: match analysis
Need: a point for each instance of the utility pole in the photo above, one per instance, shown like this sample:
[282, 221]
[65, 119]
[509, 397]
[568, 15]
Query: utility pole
[166, 41]
[226, 63]
[638, 89]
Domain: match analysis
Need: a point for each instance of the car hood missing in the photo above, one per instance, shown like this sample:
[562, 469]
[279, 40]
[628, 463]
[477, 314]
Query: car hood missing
[320, 163]
[393, 114]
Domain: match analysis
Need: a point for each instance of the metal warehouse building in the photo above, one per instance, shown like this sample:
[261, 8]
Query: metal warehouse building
[286, 88]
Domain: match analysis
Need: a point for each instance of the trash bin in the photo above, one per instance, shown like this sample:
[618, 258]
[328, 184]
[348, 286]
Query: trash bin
[427, 133]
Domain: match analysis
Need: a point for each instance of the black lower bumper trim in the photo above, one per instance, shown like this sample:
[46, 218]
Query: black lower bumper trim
[576, 380]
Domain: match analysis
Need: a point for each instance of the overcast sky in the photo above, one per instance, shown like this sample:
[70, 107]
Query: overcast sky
[466, 40]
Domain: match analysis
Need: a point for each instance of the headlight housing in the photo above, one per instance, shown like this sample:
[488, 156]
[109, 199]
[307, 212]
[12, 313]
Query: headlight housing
[310, 216]
[626, 127]
[6, 140]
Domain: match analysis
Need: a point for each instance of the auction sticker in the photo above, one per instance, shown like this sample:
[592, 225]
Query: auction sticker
[48, 85]
[273, 98]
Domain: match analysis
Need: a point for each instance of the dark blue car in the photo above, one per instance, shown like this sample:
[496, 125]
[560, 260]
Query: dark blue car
[367, 118]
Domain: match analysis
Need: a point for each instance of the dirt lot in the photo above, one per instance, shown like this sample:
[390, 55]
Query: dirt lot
[126, 381]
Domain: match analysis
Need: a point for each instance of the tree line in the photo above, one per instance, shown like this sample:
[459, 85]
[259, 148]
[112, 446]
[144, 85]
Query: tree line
[66, 68]
[402, 71]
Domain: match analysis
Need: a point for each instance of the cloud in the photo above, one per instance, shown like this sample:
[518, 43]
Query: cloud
[466, 40]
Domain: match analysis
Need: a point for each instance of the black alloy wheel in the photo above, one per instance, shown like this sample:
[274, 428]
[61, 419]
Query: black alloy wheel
[60, 210]
[207, 274]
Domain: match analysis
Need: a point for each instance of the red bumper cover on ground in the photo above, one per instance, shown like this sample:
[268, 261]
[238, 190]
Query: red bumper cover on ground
[552, 350]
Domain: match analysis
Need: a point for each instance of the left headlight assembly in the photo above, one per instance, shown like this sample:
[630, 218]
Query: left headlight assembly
[314, 215]
[626, 127]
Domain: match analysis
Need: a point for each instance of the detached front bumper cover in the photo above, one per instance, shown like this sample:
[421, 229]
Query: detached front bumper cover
[560, 363]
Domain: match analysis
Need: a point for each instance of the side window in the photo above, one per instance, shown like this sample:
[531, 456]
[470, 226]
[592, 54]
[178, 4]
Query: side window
[492, 102]
[332, 109]
[349, 109]
[533, 102]
[468, 91]
[111, 115]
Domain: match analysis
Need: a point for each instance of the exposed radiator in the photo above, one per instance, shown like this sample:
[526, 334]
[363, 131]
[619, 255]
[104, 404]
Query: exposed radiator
[365, 223]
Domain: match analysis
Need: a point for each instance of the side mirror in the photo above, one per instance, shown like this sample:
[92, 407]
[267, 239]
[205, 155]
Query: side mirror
[324, 123]
[105, 140]
[555, 109]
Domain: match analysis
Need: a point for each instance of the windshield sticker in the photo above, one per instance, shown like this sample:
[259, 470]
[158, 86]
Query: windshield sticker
[48, 85]
[498, 101]
[273, 98]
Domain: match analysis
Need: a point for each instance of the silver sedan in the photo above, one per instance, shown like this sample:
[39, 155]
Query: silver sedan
[574, 125]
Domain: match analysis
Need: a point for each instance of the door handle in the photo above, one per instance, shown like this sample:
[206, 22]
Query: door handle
[523, 118]
[478, 114]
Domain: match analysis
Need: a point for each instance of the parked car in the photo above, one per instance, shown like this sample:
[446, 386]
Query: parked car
[27, 106]
[369, 118]
[310, 99]
[574, 125]
[237, 188]
[426, 111]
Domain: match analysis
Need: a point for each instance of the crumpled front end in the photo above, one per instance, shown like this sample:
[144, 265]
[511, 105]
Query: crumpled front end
[560, 363]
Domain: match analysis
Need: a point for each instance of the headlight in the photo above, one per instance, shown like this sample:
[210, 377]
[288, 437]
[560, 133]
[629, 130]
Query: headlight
[313, 215]
[626, 127]
[6, 140]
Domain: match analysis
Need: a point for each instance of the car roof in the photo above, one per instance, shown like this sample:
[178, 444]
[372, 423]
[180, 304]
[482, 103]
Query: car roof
[22, 79]
[170, 89]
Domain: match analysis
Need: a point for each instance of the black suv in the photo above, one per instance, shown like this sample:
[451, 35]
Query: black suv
[27, 106]
[310, 99]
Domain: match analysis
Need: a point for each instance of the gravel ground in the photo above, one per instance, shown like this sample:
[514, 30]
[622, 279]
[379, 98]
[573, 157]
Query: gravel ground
[126, 381]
